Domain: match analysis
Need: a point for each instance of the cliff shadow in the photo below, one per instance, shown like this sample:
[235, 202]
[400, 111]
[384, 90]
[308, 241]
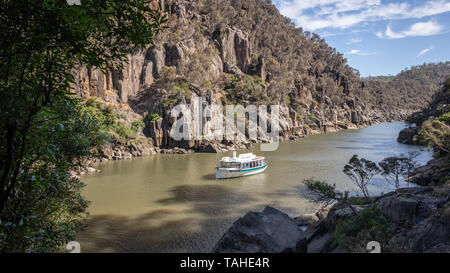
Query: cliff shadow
[192, 219]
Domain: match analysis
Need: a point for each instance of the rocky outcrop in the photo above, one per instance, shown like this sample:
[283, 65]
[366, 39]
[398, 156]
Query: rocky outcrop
[418, 221]
[406, 136]
[234, 45]
[119, 150]
[435, 172]
[270, 231]
[431, 235]
[407, 206]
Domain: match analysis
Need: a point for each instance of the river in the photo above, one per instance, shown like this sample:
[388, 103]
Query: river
[172, 203]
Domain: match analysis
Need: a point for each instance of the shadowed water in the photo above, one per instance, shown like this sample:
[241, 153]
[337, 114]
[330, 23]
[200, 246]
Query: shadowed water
[172, 203]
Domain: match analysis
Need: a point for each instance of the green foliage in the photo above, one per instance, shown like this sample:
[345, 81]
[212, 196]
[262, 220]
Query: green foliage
[169, 101]
[46, 132]
[47, 207]
[445, 118]
[371, 225]
[137, 124]
[122, 130]
[104, 113]
[411, 89]
[245, 88]
[183, 89]
[435, 134]
[153, 117]
[444, 180]
[323, 192]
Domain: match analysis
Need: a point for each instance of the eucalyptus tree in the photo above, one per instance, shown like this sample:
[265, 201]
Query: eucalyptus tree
[361, 171]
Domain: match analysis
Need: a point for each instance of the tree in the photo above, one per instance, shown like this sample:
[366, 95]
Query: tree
[44, 131]
[361, 171]
[412, 162]
[395, 167]
[327, 194]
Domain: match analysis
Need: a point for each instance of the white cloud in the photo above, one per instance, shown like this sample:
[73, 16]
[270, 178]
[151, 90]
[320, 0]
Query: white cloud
[417, 29]
[359, 53]
[424, 51]
[318, 14]
[354, 41]
[354, 51]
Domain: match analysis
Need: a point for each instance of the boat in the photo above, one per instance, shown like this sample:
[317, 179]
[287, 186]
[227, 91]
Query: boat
[242, 165]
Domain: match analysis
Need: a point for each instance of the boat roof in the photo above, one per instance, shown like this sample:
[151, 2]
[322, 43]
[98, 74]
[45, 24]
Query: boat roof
[242, 158]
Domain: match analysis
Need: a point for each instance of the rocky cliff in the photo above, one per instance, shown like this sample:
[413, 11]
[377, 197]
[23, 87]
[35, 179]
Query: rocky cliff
[231, 52]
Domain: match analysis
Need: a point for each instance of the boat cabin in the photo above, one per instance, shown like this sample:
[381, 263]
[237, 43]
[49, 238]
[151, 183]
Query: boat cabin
[242, 165]
[244, 161]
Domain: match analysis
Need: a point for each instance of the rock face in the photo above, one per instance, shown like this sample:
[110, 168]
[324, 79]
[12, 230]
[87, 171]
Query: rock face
[405, 209]
[406, 135]
[431, 173]
[431, 235]
[128, 149]
[270, 231]
[234, 47]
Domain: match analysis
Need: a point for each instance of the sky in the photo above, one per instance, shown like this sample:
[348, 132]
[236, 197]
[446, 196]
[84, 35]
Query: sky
[378, 37]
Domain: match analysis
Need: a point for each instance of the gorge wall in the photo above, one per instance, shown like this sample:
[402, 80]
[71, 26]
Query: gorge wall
[232, 52]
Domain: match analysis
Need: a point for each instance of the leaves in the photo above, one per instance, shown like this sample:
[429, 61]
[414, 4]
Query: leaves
[46, 132]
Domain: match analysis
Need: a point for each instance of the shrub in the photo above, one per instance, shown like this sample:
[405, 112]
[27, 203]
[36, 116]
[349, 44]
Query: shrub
[445, 118]
[372, 223]
[153, 117]
[182, 88]
[137, 124]
[122, 130]
[434, 134]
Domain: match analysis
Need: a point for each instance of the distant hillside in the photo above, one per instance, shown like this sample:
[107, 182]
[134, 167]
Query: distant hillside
[411, 89]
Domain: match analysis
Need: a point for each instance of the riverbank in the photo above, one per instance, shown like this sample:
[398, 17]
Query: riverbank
[143, 146]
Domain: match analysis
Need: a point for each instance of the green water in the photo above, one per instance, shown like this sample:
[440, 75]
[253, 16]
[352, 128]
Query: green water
[172, 203]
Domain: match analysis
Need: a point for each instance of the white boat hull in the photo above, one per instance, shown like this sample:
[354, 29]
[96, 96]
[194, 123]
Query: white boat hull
[223, 173]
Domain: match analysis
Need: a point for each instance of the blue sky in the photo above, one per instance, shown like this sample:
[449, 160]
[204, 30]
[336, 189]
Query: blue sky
[378, 37]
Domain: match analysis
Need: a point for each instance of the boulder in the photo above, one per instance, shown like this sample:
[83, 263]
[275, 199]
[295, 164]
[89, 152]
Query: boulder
[306, 219]
[406, 135]
[270, 231]
[322, 244]
[403, 210]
